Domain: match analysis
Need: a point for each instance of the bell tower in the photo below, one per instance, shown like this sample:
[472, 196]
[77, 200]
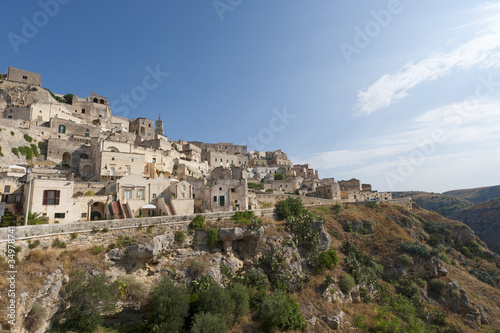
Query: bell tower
[159, 126]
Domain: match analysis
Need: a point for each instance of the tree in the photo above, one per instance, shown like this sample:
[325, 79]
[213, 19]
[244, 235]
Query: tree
[279, 176]
[68, 98]
[88, 299]
[291, 207]
[281, 311]
[169, 306]
[208, 323]
[216, 300]
[8, 219]
[35, 218]
[239, 294]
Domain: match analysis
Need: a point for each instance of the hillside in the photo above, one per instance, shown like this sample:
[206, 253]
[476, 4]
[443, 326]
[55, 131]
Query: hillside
[477, 195]
[484, 219]
[363, 268]
[443, 204]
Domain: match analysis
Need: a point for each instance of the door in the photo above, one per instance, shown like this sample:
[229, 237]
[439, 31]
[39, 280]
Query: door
[222, 201]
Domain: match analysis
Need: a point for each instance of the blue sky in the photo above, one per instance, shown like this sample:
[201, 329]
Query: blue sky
[400, 94]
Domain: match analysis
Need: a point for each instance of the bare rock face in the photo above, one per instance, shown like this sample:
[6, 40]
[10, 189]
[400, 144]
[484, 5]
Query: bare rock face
[335, 322]
[325, 240]
[333, 294]
[427, 268]
[49, 297]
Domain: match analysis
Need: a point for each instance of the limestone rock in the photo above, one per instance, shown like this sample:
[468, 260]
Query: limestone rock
[325, 240]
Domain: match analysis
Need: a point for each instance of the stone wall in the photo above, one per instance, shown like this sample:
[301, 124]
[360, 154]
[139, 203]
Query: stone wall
[20, 75]
[50, 230]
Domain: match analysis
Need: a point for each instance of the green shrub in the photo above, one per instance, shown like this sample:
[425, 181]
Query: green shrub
[415, 248]
[12, 133]
[26, 151]
[34, 244]
[244, 217]
[300, 227]
[213, 237]
[406, 288]
[198, 222]
[15, 151]
[405, 260]
[279, 176]
[57, 243]
[180, 236]
[347, 227]
[256, 278]
[28, 138]
[281, 311]
[255, 186]
[239, 294]
[96, 250]
[208, 323]
[436, 285]
[87, 299]
[434, 240]
[34, 148]
[328, 259]
[1, 154]
[291, 207]
[216, 300]
[372, 205]
[169, 306]
[89, 193]
[437, 227]
[347, 283]
[105, 229]
[486, 276]
[336, 208]
[40, 145]
[135, 290]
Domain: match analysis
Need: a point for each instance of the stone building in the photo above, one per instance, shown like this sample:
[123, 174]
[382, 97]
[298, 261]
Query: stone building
[142, 127]
[351, 184]
[221, 147]
[94, 109]
[22, 76]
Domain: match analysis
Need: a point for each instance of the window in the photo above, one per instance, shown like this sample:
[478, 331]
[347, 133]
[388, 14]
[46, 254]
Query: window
[112, 170]
[183, 187]
[7, 189]
[84, 214]
[232, 190]
[140, 194]
[154, 159]
[83, 110]
[10, 116]
[112, 158]
[51, 197]
[220, 188]
[128, 170]
[215, 198]
[128, 194]
[154, 195]
[87, 134]
[25, 77]
[59, 215]
[216, 159]
[183, 195]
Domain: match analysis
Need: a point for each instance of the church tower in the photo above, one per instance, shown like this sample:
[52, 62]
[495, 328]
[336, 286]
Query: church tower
[159, 126]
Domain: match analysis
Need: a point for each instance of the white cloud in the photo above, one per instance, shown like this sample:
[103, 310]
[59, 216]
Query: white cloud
[483, 51]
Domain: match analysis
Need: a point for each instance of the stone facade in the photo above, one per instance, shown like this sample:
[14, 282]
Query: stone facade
[22, 76]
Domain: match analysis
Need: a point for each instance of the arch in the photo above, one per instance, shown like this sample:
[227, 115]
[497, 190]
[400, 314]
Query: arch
[113, 149]
[87, 170]
[96, 122]
[84, 156]
[96, 100]
[66, 159]
[95, 215]
[62, 129]
[101, 101]
[143, 131]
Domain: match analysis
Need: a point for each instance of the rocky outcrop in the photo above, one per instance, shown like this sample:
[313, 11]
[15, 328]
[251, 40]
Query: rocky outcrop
[325, 240]
[49, 297]
[427, 268]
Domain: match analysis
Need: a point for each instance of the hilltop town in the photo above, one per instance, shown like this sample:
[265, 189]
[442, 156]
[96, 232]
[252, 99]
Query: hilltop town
[70, 159]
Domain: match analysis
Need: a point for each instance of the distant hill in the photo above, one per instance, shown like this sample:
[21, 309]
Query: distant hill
[477, 195]
[446, 205]
[484, 219]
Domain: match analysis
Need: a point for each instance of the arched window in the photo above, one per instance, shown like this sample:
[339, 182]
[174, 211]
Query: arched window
[62, 129]
[101, 101]
[96, 100]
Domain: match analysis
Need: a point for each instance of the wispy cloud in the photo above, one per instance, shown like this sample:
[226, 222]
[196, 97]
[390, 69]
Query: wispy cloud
[483, 51]
[467, 139]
